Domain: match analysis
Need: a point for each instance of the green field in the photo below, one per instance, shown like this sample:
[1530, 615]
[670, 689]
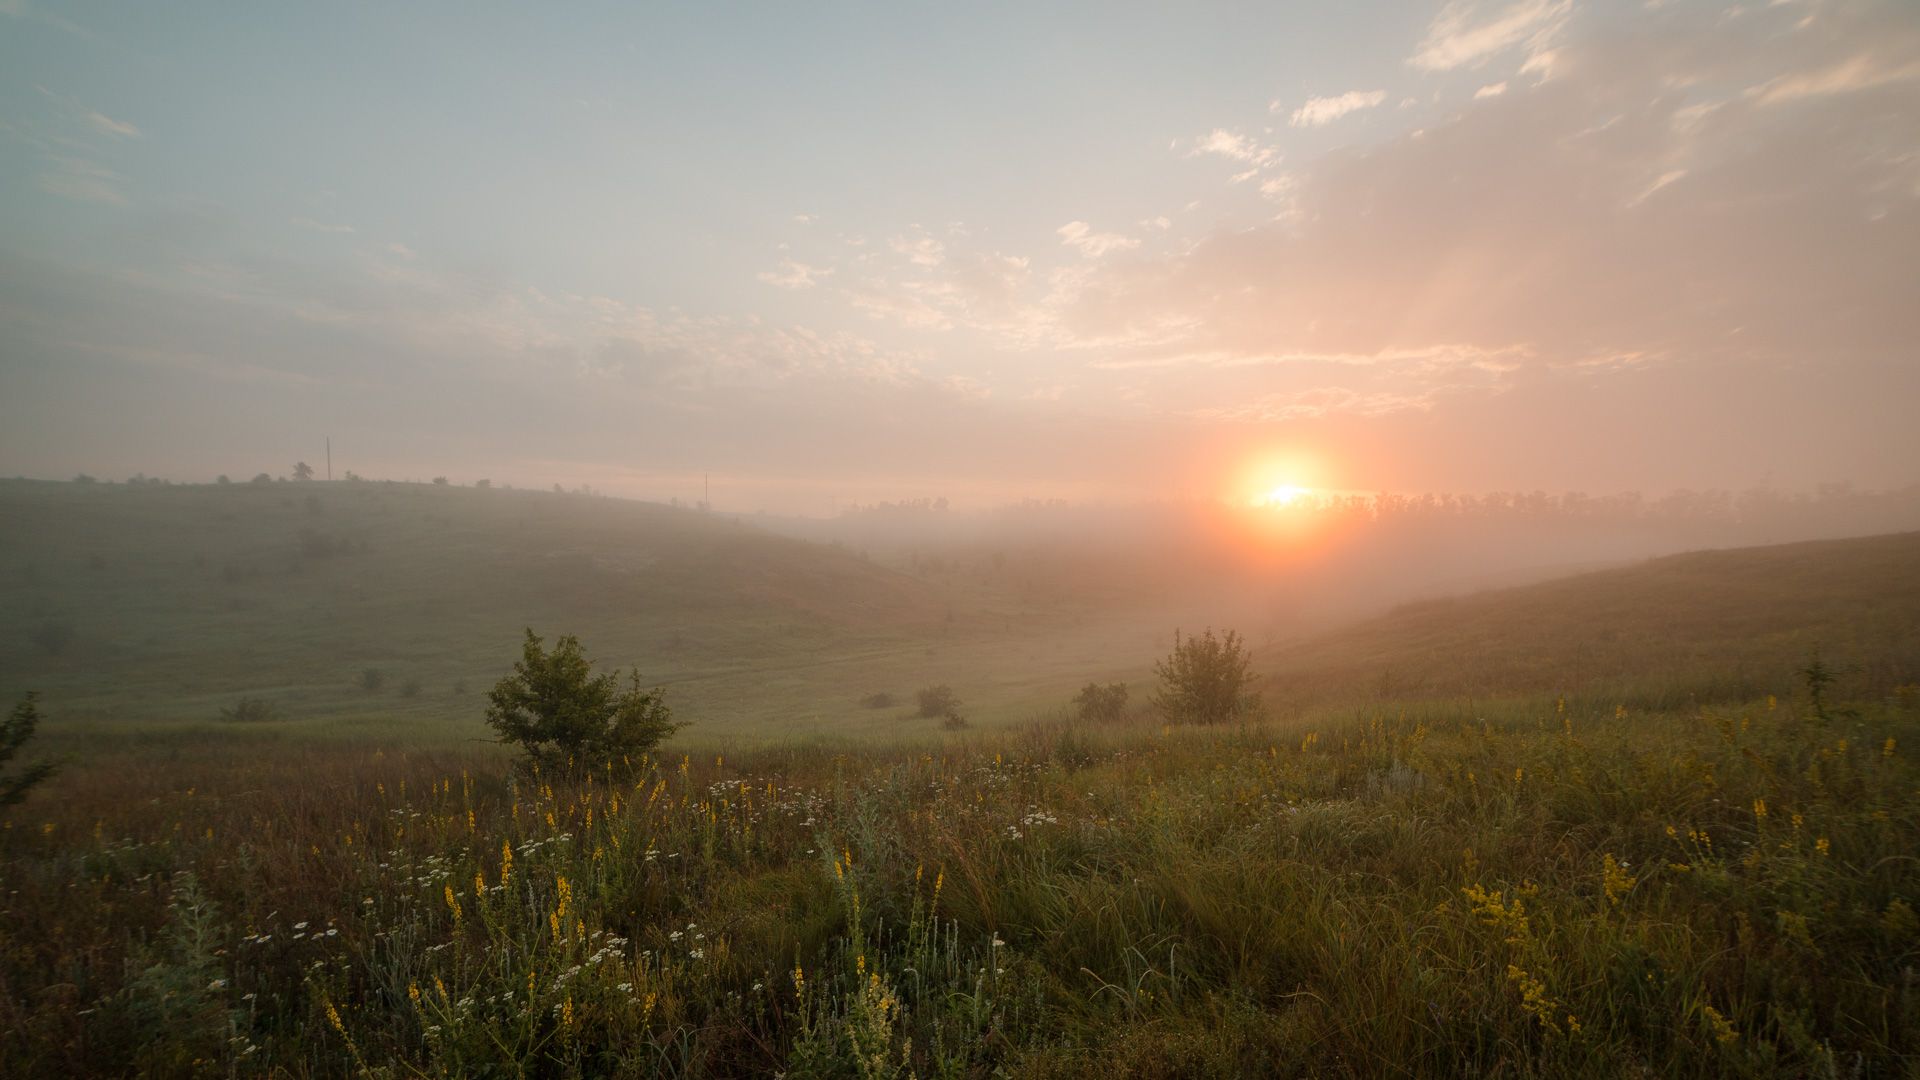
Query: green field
[168, 604]
[1597, 826]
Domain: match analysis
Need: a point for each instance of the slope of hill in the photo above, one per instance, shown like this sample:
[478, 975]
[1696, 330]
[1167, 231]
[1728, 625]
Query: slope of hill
[396, 599]
[1711, 625]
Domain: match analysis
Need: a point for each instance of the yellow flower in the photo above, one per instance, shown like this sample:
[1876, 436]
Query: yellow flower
[1723, 1029]
[1614, 879]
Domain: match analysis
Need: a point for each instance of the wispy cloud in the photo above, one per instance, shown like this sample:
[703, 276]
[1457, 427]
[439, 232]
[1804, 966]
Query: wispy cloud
[1316, 403]
[83, 181]
[1080, 235]
[1320, 111]
[1464, 34]
[919, 249]
[1232, 144]
[794, 275]
[1856, 73]
[109, 126]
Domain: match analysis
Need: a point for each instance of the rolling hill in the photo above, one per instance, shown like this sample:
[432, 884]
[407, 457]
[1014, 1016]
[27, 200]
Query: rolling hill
[392, 602]
[383, 610]
[1710, 625]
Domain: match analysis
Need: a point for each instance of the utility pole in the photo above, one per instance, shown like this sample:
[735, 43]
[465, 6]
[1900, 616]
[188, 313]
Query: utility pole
[329, 459]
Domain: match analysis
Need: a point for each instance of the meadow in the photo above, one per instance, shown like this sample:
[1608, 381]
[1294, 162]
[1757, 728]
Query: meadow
[1615, 824]
[1521, 888]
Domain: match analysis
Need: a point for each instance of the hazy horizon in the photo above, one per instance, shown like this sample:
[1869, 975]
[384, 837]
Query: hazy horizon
[832, 256]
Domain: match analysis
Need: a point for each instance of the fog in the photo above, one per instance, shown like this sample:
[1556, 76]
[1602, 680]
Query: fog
[1319, 560]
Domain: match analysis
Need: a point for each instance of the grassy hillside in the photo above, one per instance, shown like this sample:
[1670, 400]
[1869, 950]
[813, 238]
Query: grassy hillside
[1704, 626]
[375, 610]
[1549, 879]
[130, 606]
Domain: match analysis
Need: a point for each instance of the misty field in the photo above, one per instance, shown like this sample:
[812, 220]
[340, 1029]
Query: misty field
[1522, 888]
[1656, 819]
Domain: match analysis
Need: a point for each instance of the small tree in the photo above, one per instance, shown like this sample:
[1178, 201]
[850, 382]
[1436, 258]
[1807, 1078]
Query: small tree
[1102, 703]
[1205, 679]
[14, 733]
[250, 710]
[302, 471]
[564, 716]
[937, 700]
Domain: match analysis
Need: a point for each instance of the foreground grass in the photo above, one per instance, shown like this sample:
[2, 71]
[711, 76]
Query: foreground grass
[1511, 890]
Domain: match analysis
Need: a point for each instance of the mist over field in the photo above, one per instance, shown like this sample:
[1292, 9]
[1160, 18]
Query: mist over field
[864, 541]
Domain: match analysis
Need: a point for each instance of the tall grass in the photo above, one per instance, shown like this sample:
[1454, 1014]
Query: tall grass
[1514, 890]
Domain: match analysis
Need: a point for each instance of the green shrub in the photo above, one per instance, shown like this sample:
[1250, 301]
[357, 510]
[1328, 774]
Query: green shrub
[881, 700]
[14, 733]
[564, 716]
[250, 710]
[1205, 679]
[937, 700]
[1101, 703]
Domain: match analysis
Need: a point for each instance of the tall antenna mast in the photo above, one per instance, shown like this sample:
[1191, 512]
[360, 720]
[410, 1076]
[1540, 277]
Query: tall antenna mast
[329, 459]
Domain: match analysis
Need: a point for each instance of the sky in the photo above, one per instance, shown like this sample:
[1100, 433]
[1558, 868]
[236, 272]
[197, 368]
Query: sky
[841, 253]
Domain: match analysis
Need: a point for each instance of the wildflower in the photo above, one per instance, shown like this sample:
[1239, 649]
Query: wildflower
[1822, 846]
[453, 904]
[333, 1017]
[1760, 809]
[1886, 749]
[1614, 879]
[1723, 1029]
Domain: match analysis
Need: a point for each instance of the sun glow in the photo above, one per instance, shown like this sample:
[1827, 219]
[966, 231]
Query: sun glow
[1282, 495]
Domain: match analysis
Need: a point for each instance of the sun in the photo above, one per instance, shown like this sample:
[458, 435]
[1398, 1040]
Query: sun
[1283, 495]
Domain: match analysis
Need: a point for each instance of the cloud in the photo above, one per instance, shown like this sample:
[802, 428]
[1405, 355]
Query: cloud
[109, 126]
[83, 181]
[1491, 90]
[920, 250]
[1320, 111]
[1864, 71]
[1463, 34]
[1314, 404]
[1638, 204]
[1231, 144]
[1080, 235]
[794, 275]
